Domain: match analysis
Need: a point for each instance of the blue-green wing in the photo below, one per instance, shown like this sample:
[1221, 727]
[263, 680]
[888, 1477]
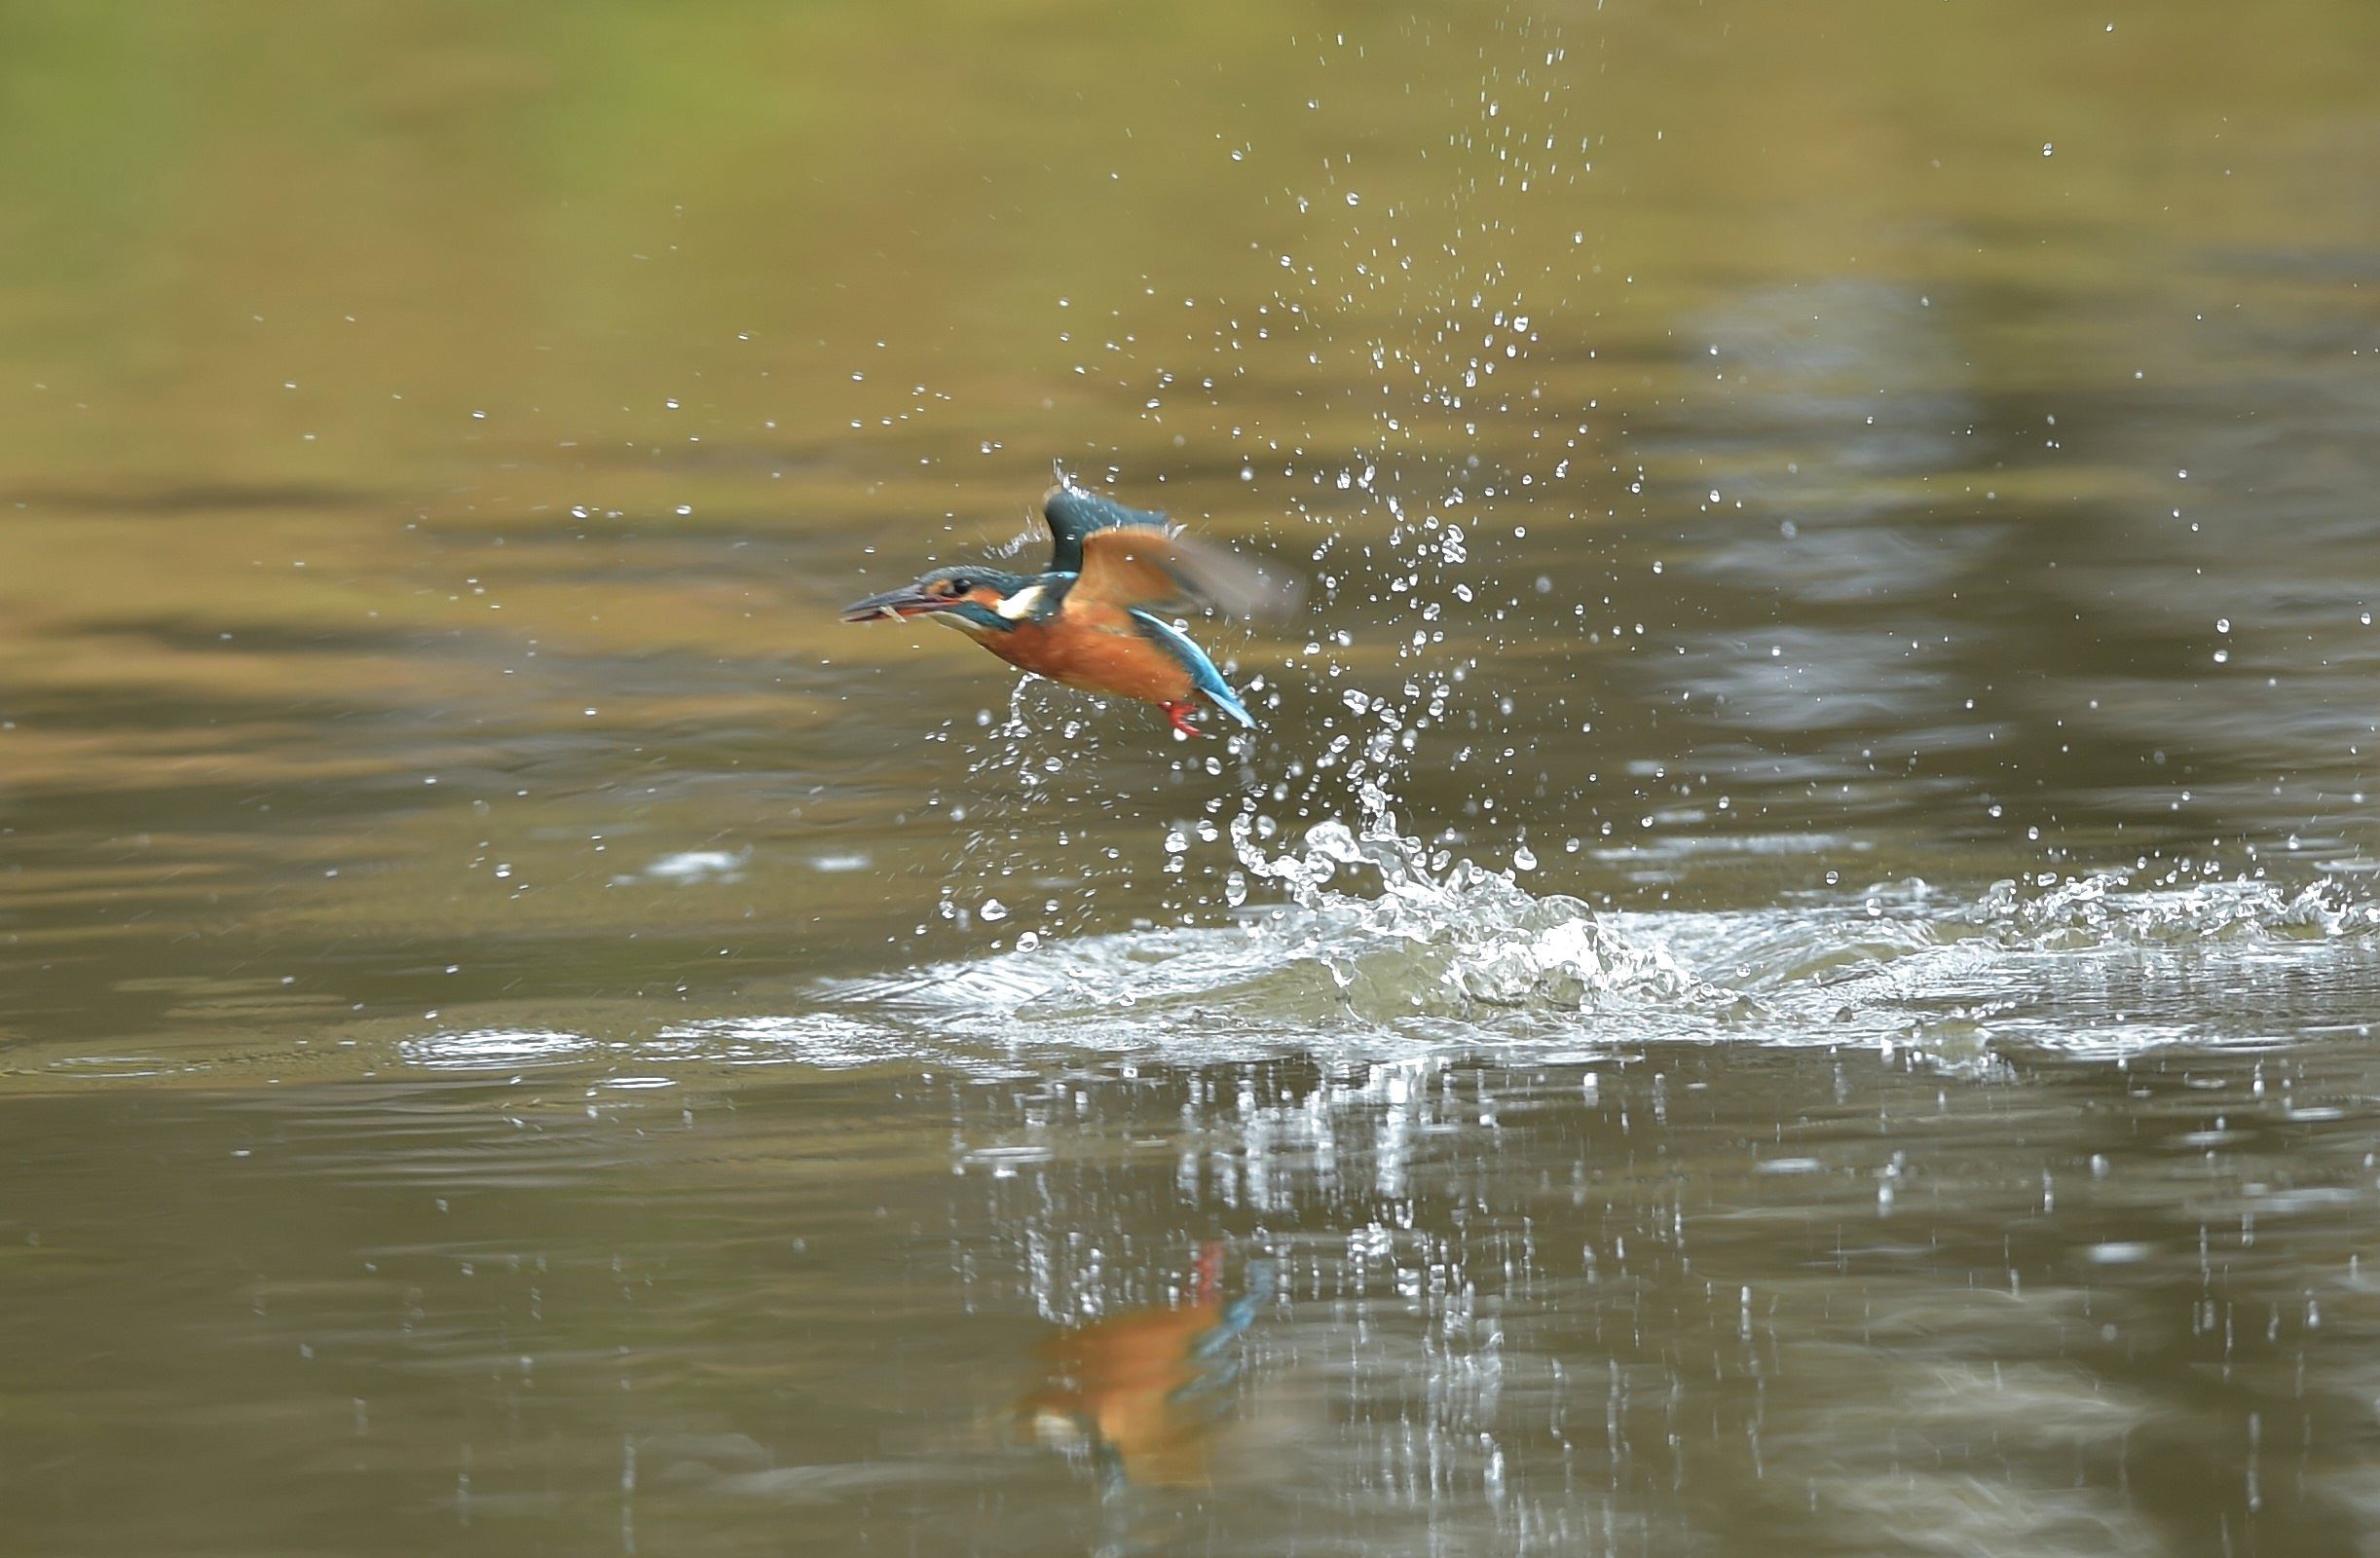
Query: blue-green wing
[1074, 512]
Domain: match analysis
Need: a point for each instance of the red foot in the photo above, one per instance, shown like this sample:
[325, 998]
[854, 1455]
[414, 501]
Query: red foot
[1179, 713]
[1207, 1277]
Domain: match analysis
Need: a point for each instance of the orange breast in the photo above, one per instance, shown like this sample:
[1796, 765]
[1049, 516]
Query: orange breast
[1096, 656]
[1122, 1379]
[1125, 1381]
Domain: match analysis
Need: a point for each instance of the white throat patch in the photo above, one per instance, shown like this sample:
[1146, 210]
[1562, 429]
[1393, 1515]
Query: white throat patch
[952, 619]
[1022, 604]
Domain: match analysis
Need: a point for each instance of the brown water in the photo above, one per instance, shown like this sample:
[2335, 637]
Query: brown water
[518, 1032]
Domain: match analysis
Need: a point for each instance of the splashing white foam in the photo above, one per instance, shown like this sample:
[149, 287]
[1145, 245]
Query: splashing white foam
[1382, 941]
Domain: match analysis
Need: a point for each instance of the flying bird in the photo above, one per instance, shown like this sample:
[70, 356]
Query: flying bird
[1144, 1394]
[1086, 620]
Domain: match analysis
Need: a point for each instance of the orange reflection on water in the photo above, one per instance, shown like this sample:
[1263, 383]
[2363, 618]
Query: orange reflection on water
[1140, 1394]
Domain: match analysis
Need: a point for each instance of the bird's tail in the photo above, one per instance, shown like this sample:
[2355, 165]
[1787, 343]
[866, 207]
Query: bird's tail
[1204, 680]
[1228, 702]
[1216, 690]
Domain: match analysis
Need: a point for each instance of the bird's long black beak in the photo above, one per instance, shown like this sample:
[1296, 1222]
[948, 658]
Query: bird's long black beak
[906, 601]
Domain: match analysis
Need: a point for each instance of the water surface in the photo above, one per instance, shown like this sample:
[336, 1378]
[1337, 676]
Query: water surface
[1793, 964]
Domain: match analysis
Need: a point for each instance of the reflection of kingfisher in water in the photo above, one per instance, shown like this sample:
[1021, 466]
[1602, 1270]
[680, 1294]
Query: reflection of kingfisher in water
[1084, 621]
[1139, 1393]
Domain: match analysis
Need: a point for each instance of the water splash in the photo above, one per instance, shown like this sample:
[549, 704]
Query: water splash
[2104, 910]
[1385, 947]
[1446, 936]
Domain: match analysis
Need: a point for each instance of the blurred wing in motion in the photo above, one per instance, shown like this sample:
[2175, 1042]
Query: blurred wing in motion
[1138, 566]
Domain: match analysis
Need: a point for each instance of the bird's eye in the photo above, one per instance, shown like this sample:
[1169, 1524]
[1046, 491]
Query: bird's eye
[960, 586]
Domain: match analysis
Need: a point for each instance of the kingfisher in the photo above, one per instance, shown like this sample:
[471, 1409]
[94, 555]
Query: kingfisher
[1086, 620]
[1141, 1394]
